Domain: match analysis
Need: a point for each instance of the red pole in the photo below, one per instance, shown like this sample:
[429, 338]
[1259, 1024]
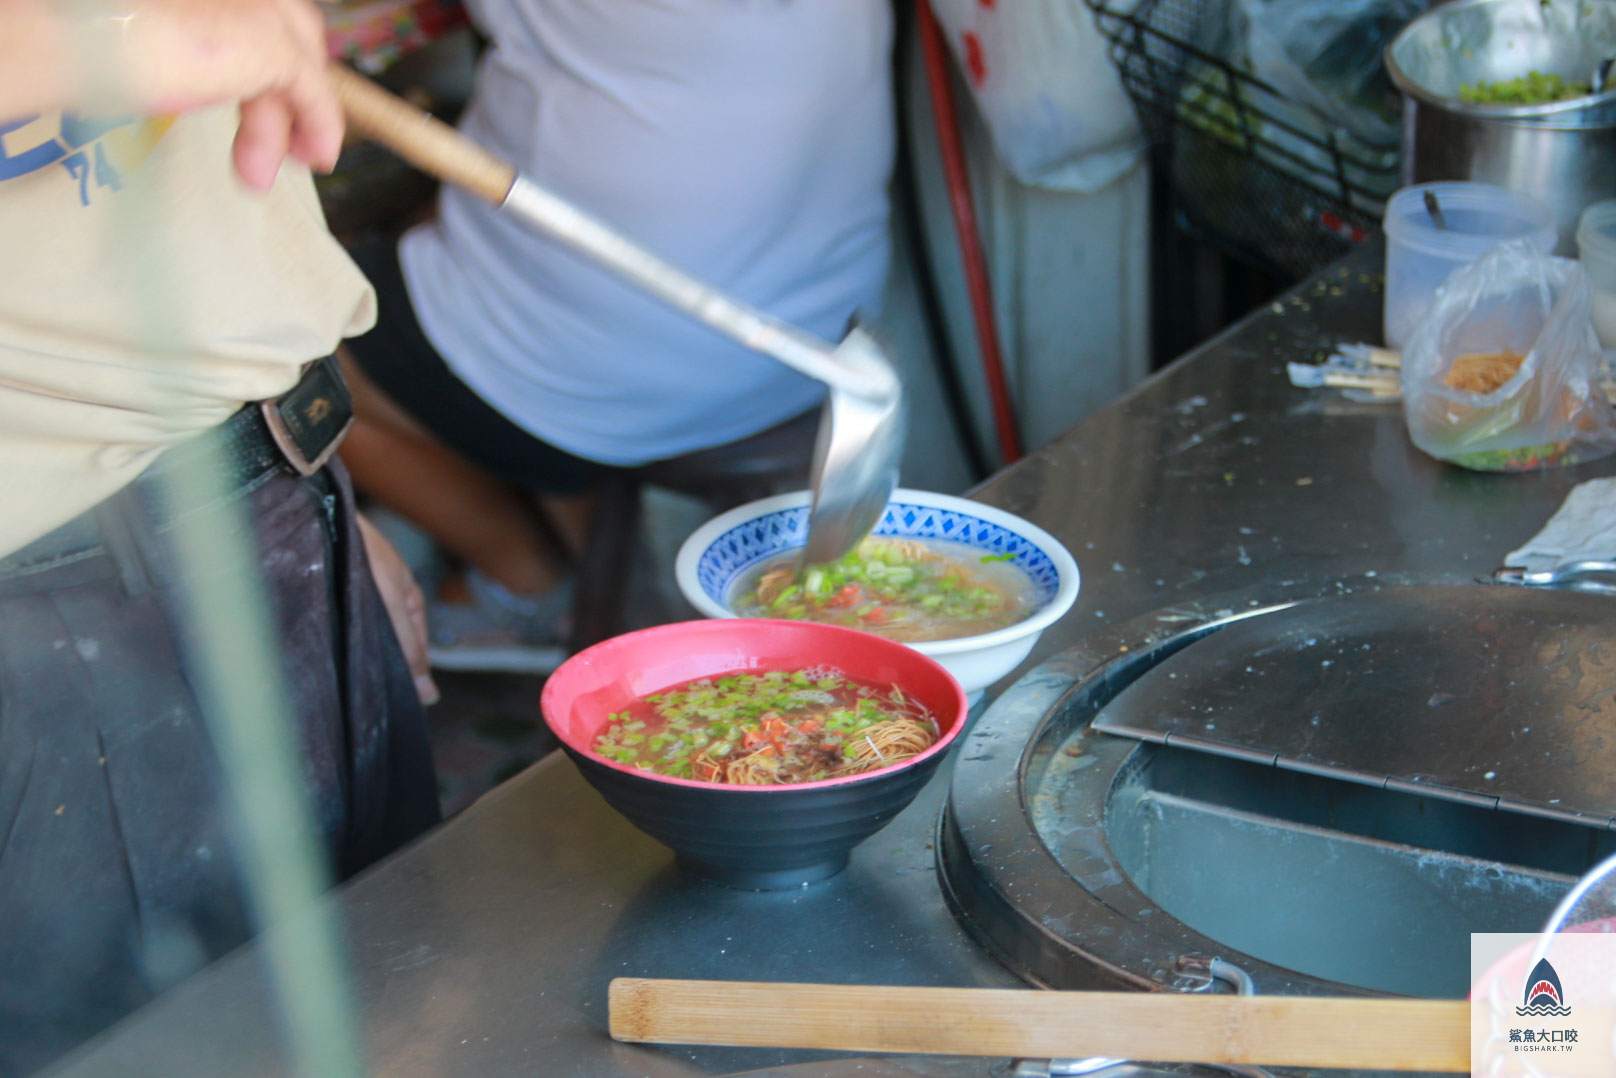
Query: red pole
[935, 52]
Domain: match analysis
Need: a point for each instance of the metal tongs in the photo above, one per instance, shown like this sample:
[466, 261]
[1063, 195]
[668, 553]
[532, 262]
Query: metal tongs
[1194, 973]
[1586, 574]
[855, 464]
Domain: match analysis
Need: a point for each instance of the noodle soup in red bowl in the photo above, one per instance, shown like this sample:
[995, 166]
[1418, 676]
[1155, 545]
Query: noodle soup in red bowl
[761, 752]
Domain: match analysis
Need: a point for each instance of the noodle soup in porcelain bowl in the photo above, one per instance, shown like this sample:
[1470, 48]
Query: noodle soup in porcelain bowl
[985, 586]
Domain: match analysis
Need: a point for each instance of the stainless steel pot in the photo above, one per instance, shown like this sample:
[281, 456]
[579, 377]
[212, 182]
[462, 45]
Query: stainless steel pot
[1563, 153]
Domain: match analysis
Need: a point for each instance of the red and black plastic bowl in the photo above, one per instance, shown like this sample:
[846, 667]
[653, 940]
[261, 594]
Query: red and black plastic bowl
[756, 837]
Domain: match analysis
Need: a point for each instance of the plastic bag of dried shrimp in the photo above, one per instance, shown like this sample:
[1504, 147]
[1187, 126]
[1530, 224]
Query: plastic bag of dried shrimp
[1504, 372]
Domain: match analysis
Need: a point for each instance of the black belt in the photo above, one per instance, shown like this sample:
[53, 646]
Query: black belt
[296, 433]
[300, 430]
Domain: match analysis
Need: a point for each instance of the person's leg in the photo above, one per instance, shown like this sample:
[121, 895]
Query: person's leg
[120, 875]
[472, 515]
[116, 878]
[569, 515]
[428, 447]
[364, 758]
[393, 793]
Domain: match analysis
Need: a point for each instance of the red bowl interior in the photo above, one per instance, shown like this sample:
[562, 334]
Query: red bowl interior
[592, 684]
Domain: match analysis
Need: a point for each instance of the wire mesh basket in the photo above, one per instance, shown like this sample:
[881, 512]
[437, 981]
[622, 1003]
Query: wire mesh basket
[1262, 176]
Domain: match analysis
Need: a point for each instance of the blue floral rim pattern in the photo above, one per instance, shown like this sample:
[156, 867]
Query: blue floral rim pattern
[729, 556]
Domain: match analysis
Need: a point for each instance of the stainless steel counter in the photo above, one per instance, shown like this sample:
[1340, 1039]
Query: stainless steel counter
[487, 948]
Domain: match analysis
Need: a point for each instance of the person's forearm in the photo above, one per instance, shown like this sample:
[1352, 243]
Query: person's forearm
[34, 61]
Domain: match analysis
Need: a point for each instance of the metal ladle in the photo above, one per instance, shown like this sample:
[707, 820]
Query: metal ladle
[1601, 76]
[855, 465]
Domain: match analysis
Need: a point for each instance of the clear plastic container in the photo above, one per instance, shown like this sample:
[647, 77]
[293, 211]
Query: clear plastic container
[1596, 246]
[1476, 217]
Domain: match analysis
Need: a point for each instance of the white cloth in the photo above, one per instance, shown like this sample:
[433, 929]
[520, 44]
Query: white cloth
[1048, 92]
[747, 141]
[1070, 277]
[1584, 528]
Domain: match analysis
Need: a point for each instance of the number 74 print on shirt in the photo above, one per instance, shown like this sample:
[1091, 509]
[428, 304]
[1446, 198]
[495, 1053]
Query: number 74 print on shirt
[93, 153]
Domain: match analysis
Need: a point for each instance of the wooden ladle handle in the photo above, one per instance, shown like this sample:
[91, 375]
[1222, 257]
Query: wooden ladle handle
[420, 138]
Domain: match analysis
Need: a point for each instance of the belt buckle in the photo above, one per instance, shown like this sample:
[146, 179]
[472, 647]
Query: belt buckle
[308, 423]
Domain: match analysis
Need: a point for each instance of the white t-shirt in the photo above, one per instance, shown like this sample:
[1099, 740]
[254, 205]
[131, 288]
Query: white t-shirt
[747, 141]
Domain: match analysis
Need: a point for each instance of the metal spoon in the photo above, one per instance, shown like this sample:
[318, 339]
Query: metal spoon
[1434, 208]
[855, 464]
[1601, 75]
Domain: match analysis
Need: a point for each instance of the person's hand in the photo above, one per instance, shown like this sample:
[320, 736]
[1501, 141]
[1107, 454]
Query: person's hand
[268, 54]
[167, 56]
[405, 606]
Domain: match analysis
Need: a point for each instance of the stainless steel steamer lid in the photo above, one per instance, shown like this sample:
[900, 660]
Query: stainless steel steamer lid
[1073, 919]
[1081, 859]
[1499, 697]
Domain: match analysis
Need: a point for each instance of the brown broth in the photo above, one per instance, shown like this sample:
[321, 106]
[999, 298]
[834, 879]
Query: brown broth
[909, 590]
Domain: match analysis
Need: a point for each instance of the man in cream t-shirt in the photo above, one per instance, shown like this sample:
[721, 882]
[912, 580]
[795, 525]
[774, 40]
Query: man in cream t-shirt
[152, 300]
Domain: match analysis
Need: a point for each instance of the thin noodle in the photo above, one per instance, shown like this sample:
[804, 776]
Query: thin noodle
[888, 743]
[908, 548]
[805, 742]
[758, 768]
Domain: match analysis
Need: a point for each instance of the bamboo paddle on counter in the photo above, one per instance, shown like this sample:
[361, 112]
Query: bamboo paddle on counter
[1163, 1027]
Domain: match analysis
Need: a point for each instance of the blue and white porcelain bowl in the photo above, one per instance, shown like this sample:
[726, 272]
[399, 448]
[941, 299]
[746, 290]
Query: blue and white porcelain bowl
[718, 555]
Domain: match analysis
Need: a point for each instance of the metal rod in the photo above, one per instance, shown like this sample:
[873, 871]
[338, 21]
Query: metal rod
[798, 350]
